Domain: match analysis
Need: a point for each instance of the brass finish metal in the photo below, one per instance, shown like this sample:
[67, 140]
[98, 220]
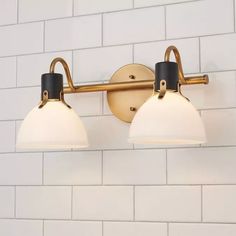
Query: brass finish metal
[63, 100]
[125, 102]
[66, 69]
[184, 80]
[162, 89]
[119, 86]
[44, 99]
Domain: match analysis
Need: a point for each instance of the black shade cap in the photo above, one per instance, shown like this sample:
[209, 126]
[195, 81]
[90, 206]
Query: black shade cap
[167, 71]
[53, 83]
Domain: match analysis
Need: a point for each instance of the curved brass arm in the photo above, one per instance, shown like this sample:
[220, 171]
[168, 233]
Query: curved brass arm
[184, 80]
[66, 69]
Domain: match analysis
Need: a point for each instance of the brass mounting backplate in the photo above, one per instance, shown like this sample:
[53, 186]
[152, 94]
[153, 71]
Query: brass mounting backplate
[124, 104]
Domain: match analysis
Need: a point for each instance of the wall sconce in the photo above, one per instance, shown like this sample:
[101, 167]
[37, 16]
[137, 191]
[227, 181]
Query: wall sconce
[165, 115]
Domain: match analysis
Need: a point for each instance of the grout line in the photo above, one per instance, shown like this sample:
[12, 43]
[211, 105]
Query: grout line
[44, 36]
[102, 228]
[168, 229]
[72, 54]
[134, 188]
[121, 221]
[202, 199]
[15, 201]
[102, 161]
[72, 198]
[43, 168]
[165, 22]
[166, 166]
[43, 228]
[122, 185]
[15, 137]
[234, 19]
[17, 11]
[133, 53]
[215, 109]
[169, 4]
[102, 106]
[126, 149]
[102, 30]
[199, 52]
[73, 8]
[16, 83]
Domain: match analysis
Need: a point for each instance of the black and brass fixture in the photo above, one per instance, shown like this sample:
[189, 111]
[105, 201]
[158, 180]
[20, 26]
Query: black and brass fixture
[131, 87]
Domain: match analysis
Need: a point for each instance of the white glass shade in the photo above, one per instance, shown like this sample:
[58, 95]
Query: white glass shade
[171, 120]
[53, 127]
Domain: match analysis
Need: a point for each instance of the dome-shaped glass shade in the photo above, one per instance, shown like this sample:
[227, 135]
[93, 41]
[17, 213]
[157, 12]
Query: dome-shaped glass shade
[52, 127]
[171, 120]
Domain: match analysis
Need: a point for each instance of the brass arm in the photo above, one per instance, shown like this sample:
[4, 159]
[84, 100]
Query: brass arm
[184, 80]
[66, 69]
[119, 86]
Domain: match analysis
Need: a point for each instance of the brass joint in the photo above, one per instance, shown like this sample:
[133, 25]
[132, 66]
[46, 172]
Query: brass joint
[44, 99]
[162, 89]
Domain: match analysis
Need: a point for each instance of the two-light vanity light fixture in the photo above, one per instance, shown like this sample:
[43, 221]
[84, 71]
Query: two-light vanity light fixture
[160, 114]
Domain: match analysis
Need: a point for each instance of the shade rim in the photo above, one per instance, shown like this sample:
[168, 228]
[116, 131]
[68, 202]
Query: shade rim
[47, 147]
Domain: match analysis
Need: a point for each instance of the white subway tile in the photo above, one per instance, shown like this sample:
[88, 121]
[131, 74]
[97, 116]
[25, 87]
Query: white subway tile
[43, 202]
[151, 53]
[7, 202]
[107, 132]
[134, 26]
[168, 203]
[7, 136]
[8, 72]
[33, 10]
[134, 229]
[72, 33]
[145, 3]
[72, 228]
[82, 7]
[21, 169]
[134, 167]
[220, 126]
[202, 229]
[207, 96]
[21, 39]
[219, 204]
[18, 102]
[218, 52]
[85, 104]
[8, 12]
[202, 166]
[194, 19]
[30, 68]
[21, 227]
[77, 168]
[103, 61]
[103, 203]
